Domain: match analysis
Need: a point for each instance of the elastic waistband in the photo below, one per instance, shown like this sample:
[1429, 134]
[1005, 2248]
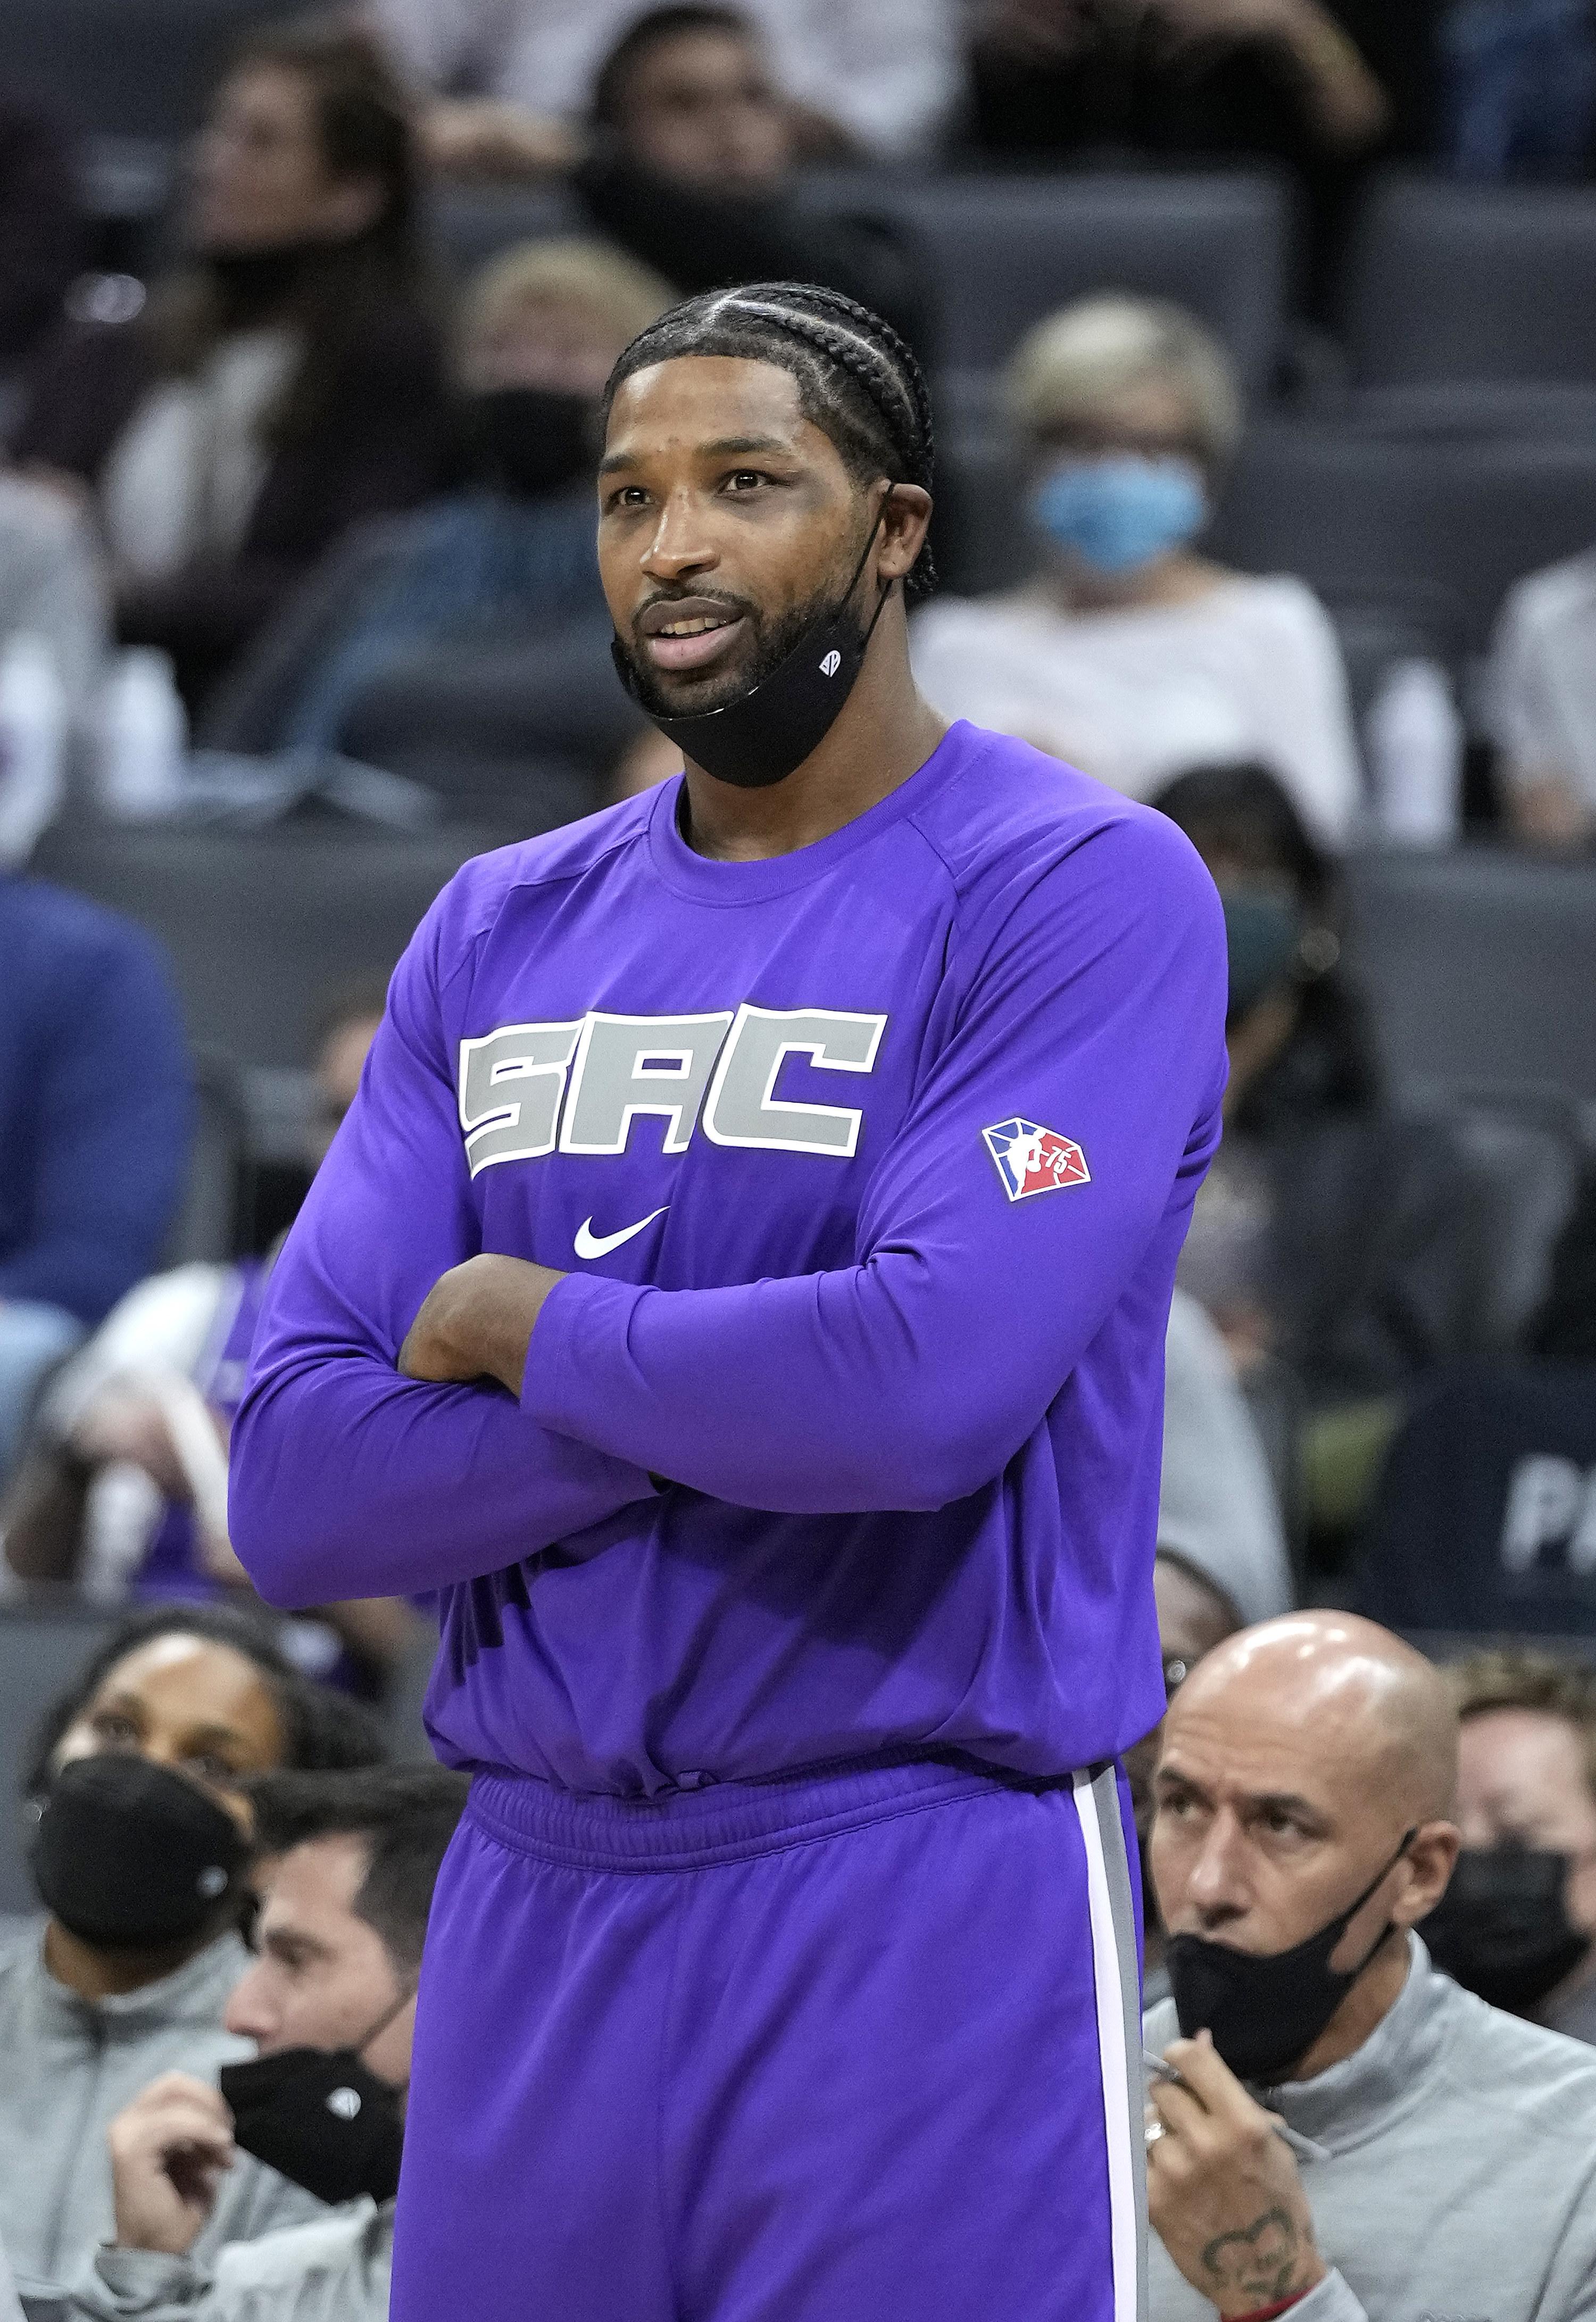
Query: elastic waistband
[723, 1822]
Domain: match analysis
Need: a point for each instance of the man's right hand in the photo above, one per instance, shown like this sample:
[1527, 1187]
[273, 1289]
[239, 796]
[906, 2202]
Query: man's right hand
[169, 2152]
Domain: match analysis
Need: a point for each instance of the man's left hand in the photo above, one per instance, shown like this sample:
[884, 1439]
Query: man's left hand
[1223, 2190]
[477, 1321]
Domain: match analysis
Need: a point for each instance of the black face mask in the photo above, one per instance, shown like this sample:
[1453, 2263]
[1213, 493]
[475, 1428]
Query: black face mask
[532, 440]
[128, 1855]
[1266, 2011]
[254, 283]
[759, 738]
[321, 2117]
[1502, 1930]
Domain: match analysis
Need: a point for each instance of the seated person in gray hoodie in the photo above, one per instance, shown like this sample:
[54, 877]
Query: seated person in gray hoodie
[140, 1853]
[345, 1882]
[1351, 2137]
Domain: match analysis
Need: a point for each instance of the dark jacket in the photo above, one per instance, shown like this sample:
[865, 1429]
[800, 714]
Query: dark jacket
[40, 232]
[385, 441]
[702, 241]
[1381, 1225]
[94, 1101]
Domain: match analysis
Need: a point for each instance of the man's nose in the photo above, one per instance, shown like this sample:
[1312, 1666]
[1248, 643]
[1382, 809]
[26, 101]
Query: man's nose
[1214, 1887]
[249, 2014]
[679, 543]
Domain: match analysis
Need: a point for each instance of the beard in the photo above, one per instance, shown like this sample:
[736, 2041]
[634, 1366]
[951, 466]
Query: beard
[769, 641]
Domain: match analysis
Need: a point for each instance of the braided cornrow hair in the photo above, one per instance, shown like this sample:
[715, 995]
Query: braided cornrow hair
[858, 381]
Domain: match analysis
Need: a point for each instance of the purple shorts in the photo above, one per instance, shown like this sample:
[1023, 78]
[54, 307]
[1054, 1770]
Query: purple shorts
[861, 2048]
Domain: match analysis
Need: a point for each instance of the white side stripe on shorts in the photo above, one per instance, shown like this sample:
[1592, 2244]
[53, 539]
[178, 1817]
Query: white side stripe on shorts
[1119, 2046]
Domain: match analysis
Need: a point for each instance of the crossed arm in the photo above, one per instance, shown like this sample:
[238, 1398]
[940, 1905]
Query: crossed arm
[422, 1412]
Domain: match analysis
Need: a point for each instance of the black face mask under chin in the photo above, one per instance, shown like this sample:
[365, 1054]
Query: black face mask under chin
[762, 736]
[1265, 2010]
[1503, 1929]
[130, 1856]
[321, 2117]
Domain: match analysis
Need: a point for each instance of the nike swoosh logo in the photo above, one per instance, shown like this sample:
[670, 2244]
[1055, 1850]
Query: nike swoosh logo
[591, 1245]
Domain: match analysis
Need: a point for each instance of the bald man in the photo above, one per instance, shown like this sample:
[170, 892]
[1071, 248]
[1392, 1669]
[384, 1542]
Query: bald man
[1350, 2137]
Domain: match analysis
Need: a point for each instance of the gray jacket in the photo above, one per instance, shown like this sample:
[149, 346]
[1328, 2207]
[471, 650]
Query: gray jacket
[68, 2066]
[336, 2270]
[1450, 2164]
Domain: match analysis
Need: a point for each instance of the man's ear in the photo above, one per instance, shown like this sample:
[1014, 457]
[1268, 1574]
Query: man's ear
[1428, 1865]
[904, 514]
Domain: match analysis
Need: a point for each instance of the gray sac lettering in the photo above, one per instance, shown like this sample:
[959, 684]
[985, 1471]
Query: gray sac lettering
[742, 1107]
[511, 1083]
[632, 1065]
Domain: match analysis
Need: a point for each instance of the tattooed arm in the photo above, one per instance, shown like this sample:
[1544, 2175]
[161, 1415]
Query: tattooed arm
[1226, 2200]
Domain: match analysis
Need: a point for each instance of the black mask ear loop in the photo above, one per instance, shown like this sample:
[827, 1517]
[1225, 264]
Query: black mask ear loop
[358, 2051]
[886, 589]
[1379, 1876]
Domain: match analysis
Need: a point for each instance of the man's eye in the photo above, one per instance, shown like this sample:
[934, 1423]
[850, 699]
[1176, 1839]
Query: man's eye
[210, 1767]
[745, 479]
[118, 1732]
[628, 496]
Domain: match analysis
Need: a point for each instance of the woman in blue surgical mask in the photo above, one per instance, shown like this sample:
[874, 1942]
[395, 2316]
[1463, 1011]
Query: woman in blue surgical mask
[1129, 651]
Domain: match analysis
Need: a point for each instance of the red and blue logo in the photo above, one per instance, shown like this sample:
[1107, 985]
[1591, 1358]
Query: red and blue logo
[1031, 1159]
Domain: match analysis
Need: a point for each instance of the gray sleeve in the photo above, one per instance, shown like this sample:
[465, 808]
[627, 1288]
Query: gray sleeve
[143, 2283]
[253, 2201]
[1332, 2301]
[1216, 1506]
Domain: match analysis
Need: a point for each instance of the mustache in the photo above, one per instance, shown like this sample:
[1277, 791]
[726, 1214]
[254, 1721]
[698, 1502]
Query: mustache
[736, 608]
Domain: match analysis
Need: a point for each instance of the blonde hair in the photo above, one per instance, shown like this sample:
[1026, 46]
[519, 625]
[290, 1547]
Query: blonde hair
[625, 296]
[1074, 364]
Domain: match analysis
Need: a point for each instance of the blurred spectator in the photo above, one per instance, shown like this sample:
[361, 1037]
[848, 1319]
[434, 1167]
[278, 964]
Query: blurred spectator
[50, 587]
[690, 167]
[881, 79]
[1327, 1233]
[541, 327]
[122, 1486]
[140, 1854]
[1541, 702]
[1362, 2142]
[1221, 1560]
[40, 230]
[1177, 76]
[94, 1125]
[1131, 655]
[1519, 1923]
[345, 1876]
[286, 385]
[1218, 1519]
[1518, 88]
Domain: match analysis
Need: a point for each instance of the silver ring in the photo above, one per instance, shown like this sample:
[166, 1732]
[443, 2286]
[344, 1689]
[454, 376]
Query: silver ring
[1153, 2132]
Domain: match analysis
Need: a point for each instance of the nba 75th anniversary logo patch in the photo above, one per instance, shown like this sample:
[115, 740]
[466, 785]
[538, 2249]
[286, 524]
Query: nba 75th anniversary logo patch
[1031, 1159]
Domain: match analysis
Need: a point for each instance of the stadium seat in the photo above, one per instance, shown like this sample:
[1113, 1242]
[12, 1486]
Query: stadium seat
[1454, 282]
[1470, 408]
[42, 1646]
[1349, 512]
[1003, 251]
[1479, 966]
[521, 731]
[471, 224]
[205, 1225]
[1484, 1521]
[126, 67]
[262, 926]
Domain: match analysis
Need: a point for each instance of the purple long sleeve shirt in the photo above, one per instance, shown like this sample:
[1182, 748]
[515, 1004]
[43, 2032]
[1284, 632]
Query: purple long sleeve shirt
[869, 1165]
